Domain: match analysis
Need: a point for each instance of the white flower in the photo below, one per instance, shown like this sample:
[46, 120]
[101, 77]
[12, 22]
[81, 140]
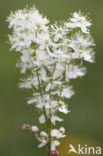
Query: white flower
[59, 70]
[74, 71]
[58, 32]
[43, 134]
[79, 21]
[57, 134]
[43, 75]
[42, 119]
[44, 102]
[43, 142]
[25, 61]
[80, 41]
[55, 118]
[43, 39]
[32, 100]
[26, 84]
[54, 104]
[42, 58]
[82, 47]
[64, 109]
[54, 144]
[67, 92]
[62, 129]
[29, 83]
[52, 85]
[19, 41]
[88, 55]
[48, 87]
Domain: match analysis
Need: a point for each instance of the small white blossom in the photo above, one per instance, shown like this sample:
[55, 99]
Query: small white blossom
[62, 129]
[79, 21]
[67, 92]
[64, 109]
[26, 84]
[54, 144]
[74, 71]
[58, 32]
[57, 134]
[43, 134]
[43, 142]
[32, 100]
[82, 47]
[29, 83]
[42, 119]
[55, 118]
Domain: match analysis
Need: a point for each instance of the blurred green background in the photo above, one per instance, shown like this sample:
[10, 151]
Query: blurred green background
[86, 118]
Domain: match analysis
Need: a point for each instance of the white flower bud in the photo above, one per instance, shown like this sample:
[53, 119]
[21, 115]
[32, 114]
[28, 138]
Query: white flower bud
[34, 129]
[43, 134]
[62, 130]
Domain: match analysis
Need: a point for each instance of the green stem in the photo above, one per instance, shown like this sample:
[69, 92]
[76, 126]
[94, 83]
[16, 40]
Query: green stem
[61, 89]
[50, 114]
[41, 94]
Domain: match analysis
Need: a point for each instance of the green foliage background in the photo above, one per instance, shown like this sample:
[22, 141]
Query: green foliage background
[86, 118]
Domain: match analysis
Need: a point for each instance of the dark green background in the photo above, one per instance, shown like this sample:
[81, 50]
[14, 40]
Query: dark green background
[86, 119]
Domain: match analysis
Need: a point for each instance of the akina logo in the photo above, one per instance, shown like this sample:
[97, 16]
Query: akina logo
[84, 150]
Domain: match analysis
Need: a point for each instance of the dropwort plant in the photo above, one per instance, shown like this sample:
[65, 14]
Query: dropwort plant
[50, 57]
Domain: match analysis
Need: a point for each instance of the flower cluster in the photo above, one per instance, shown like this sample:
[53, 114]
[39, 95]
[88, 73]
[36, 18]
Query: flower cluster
[51, 55]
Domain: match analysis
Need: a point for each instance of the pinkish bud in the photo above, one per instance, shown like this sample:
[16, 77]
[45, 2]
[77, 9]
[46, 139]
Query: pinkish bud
[25, 127]
[56, 153]
[53, 153]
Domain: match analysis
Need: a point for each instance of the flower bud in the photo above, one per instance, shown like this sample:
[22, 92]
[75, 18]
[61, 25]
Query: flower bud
[62, 130]
[56, 153]
[25, 127]
[34, 129]
[43, 134]
[53, 153]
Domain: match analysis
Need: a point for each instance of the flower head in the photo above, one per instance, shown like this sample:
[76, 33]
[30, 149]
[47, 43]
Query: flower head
[51, 56]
